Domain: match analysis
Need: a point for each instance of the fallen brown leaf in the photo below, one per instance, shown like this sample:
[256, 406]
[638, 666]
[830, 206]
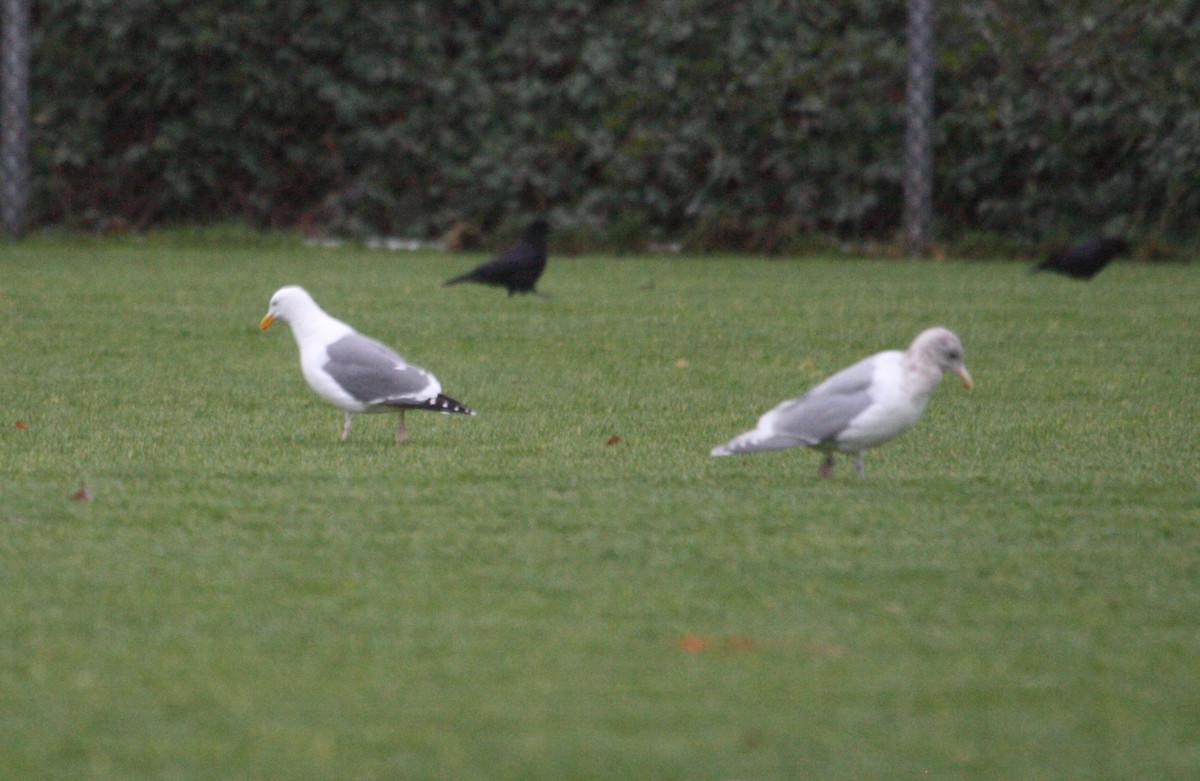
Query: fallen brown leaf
[84, 494]
[694, 644]
[614, 439]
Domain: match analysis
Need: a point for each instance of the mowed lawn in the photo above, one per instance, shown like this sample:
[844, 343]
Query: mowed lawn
[567, 586]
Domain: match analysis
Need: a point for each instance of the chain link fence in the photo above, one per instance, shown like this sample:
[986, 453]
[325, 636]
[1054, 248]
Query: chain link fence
[14, 116]
[918, 135]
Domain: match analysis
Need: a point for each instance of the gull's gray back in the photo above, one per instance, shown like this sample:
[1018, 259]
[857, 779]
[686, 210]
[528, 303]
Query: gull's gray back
[373, 372]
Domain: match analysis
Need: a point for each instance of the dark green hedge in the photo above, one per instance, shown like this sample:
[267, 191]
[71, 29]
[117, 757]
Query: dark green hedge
[741, 124]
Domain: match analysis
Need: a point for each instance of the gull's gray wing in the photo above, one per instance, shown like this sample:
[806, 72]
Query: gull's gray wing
[816, 417]
[826, 410]
[374, 373]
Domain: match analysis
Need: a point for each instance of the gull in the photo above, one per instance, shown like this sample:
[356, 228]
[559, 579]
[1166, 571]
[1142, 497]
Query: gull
[354, 372]
[861, 406]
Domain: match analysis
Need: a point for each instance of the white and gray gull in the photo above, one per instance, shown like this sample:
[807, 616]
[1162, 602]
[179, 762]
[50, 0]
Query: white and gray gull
[353, 372]
[861, 406]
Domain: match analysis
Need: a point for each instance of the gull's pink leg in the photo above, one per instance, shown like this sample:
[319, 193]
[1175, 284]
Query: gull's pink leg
[346, 428]
[401, 431]
[826, 470]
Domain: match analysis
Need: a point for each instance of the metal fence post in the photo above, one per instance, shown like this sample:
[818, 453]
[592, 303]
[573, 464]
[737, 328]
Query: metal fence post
[14, 116]
[918, 133]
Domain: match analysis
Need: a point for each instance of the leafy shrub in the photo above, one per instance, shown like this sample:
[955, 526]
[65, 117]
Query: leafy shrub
[736, 125]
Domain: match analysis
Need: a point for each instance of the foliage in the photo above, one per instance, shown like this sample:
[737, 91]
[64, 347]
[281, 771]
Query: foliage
[1086, 117]
[733, 125]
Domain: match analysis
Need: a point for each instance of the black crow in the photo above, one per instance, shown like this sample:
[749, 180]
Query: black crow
[1084, 260]
[517, 268]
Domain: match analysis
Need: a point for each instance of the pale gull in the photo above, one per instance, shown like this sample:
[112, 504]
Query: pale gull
[861, 406]
[353, 372]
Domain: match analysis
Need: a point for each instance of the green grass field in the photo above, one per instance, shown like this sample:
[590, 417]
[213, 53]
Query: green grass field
[1012, 592]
